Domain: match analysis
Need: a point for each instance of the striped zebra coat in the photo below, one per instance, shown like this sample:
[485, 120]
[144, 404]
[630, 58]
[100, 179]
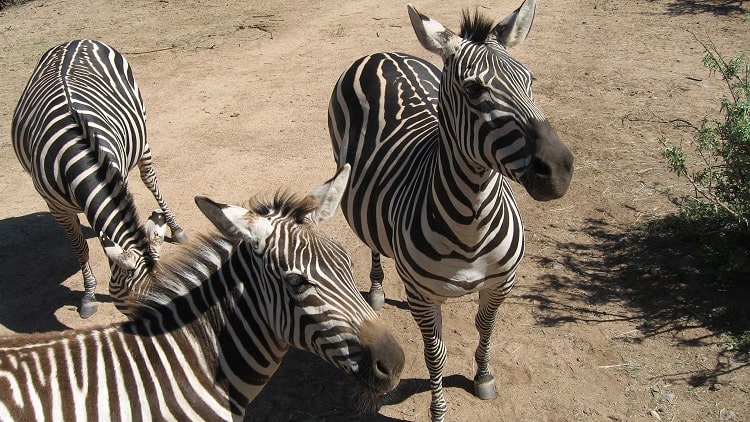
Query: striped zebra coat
[432, 153]
[212, 327]
[78, 129]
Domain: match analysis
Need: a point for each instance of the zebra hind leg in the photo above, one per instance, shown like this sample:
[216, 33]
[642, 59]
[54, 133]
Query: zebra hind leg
[72, 226]
[377, 296]
[489, 302]
[148, 176]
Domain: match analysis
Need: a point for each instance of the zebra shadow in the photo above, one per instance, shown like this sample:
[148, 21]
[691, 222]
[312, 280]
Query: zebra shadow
[35, 259]
[306, 388]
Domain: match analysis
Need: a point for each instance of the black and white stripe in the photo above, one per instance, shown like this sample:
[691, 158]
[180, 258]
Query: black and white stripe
[78, 129]
[431, 155]
[212, 327]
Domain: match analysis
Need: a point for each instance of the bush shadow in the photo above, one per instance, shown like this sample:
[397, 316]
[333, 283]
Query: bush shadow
[659, 275]
[715, 7]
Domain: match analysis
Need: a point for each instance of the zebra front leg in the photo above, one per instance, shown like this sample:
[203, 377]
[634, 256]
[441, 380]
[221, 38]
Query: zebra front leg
[148, 176]
[489, 302]
[72, 226]
[377, 296]
[429, 318]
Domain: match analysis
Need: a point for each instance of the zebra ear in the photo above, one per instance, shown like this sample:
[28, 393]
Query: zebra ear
[236, 223]
[432, 34]
[329, 195]
[116, 254]
[516, 26]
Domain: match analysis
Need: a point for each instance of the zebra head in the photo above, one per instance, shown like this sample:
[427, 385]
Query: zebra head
[487, 111]
[131, 267]
[318, 307]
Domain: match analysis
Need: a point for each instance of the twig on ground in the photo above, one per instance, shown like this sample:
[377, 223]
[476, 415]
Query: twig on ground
[134, 53]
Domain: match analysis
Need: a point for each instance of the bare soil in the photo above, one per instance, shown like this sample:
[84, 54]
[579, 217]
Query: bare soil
[604, 324]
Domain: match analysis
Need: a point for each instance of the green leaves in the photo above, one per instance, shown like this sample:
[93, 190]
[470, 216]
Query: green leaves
[718, 165]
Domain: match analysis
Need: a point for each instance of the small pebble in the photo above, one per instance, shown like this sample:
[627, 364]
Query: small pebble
[669, 397]
[728, 415]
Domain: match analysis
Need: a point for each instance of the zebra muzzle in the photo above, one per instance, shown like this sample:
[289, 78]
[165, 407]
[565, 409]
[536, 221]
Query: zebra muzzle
[548, 177]
[385, 357]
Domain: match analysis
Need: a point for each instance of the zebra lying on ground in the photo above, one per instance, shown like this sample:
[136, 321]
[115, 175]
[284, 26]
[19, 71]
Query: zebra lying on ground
[78, 129]
[431, 154]
[212, 327]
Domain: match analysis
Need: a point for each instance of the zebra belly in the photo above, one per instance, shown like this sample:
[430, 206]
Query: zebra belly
[448, 278]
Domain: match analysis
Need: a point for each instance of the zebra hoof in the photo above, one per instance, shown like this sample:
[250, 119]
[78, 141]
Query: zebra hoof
[179, 236]
[377, 299]
[484, 387]
[89, 306]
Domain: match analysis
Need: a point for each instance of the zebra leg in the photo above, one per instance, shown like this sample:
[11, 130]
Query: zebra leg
[72, 226]
[148, 176]
[377, 296]
[489, 301]
[429, 318]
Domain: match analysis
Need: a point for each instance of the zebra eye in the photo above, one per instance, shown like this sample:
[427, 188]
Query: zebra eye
[297, 283]
[474, 89]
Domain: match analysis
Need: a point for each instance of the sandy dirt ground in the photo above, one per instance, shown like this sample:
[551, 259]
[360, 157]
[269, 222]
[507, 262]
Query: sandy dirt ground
[599, 327]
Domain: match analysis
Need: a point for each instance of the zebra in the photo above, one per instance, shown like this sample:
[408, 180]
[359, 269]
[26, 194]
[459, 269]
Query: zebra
[213, 325]
[78, 129]
[431, 155]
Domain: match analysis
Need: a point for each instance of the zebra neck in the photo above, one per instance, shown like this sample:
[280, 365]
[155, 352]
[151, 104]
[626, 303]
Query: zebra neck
[217, 299]
[249, 350]
[112, 210]
[464, 203]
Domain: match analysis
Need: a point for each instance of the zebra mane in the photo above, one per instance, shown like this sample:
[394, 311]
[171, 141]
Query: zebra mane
[285, 204]
[180, 273]
[476, 27]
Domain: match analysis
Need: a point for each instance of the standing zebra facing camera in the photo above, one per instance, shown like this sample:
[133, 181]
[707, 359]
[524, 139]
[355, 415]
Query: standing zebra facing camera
[212, 325]
[78, 129]
[431, 154]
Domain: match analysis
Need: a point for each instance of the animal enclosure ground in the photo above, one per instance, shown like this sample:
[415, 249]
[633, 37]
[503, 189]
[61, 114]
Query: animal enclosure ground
[601, 324]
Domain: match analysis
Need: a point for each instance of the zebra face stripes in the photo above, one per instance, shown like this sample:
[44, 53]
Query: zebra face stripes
[431, 154]
[78, 129]
[212, 326]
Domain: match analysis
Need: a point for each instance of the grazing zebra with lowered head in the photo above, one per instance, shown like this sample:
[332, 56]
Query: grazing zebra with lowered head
[431, 154]
[213, 326]
[78, 129]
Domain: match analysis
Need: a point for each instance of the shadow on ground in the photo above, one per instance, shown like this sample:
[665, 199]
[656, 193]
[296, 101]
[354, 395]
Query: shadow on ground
[715, 7]
[305, 388]
[662, 276]
[36, 259]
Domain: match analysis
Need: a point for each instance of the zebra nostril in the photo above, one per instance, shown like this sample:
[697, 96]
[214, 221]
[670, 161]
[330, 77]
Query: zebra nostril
[381, 370]
[541, 168]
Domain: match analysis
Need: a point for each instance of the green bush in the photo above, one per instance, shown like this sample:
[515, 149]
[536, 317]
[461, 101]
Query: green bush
[718, 166]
